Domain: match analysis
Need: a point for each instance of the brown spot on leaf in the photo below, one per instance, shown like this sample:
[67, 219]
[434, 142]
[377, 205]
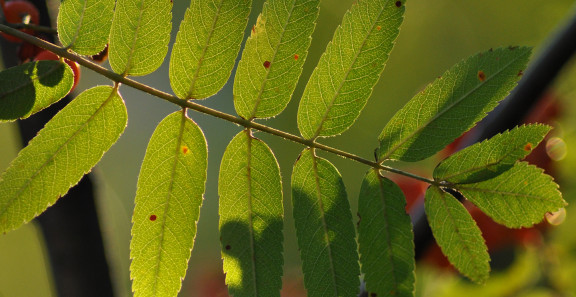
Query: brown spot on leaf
[481, 75]
[153, 218]
[296, 56]
[266, 64]
[373, 295]
[520, 73]
[185, 150]
[378, 28]
[253, 29]
[398, 3]
[228, 247]
[528, 147]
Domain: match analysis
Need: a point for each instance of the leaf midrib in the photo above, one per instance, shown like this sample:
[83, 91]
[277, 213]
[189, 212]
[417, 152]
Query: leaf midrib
[449, 107]
[204, 50]
[251, 211]
[167, 201]
[265, 80]
[129, 65]
[79, 25]
[45, 164]
[323, 219]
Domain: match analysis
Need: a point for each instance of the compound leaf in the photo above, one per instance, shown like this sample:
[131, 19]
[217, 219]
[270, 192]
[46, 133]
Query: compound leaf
[62, 152]
[519, 197]
[342, 83]
[206, 46]
[273, 57]
[452, 104]
[457, 234]
[168, 200]
[84, 25]
[490, 158]
[28, 88]
[324, 228]
[251, 218]
[385, 238]
[139, 36]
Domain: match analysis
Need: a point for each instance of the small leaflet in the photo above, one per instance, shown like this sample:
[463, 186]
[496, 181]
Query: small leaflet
[457, 234]
[28, 88]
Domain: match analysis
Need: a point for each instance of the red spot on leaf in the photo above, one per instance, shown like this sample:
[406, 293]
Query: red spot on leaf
[153, 218]
[228, 247]
[266, 64]
[528, 147]
[185, 150]
[398, 3]
[378, 28]
[296, 56]
[520, 73]
[253, 29]
[481, 75]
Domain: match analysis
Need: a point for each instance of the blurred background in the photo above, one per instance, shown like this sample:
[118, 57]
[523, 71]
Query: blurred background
[435, 35]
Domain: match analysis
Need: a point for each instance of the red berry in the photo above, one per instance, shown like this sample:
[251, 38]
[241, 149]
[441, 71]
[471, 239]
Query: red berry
[48, 55]
[18, 12]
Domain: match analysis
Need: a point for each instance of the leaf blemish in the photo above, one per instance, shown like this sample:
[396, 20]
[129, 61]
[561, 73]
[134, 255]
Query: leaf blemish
[185, 150]
[373, 295]
[398, 3]
[520, 73]
[378, 28]
[153, 218]
[228, 247]
[528, 147]
[296, 56]
[253, 29]
[266, 64]
[481, 75]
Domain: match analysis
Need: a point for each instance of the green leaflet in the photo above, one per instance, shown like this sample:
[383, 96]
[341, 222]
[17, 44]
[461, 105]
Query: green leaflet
[324, 228]
[273, 57]
[168, 200]
[457, 234]
[452, 104]
[26, 89]
[341, 84]
[251, 218]
[385, 238]
[84, 25]
[62, 152]
[139, 36]
[490, 158]
[519, 197]
[206, 46]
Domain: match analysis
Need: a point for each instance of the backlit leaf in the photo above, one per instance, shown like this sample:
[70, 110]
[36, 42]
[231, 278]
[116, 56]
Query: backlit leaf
[457, 234]
[519, 197]
[342, 83]
[273, 57]
[207, 46]
[168, 200]
[324, 228]
[452, 104]
[62, 152]
[139, 36]
[28, 88]
[385, 238]
[84, 25]
[251, 218]
[490, 158]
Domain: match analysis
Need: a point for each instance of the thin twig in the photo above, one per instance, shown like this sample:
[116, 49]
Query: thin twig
[200, 108]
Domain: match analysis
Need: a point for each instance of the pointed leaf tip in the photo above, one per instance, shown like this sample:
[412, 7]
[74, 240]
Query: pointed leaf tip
[457, 234]
[452, 104]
